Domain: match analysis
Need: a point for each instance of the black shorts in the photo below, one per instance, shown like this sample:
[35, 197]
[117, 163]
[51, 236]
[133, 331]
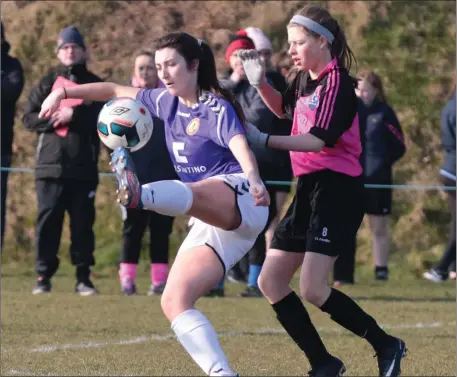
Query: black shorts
[280, 171]
[324, 216]
[378, 201]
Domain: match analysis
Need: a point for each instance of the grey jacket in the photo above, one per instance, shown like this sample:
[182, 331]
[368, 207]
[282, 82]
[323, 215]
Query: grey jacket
[255, 111]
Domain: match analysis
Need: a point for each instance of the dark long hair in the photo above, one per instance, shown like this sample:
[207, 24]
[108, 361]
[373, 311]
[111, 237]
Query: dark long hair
[191, 49]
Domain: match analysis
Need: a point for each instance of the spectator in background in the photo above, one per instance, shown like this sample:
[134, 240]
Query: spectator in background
[446, 266]
[66, 166]
[258, 114]
[153, 164]
[284, 63]
[12, 85]
[382, 145]
[278, 167]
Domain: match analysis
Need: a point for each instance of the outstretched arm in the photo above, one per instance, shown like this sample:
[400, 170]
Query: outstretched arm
[100, 91]
[298, 143]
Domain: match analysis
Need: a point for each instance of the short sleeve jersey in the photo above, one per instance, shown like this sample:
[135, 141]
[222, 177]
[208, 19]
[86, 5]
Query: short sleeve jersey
[197, 137]
[326, 108]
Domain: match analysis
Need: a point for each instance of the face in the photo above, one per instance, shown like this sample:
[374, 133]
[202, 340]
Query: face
[236, 65]
[70, 54]
[145, 72]
[366, 92]
[172, 69]
[305, 50]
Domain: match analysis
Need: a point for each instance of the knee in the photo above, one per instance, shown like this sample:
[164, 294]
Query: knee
[166, 302]
[312, 293]
[263, 284]
[176, 301]
[272, 288]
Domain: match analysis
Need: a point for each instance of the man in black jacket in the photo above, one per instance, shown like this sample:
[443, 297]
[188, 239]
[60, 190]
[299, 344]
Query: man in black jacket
[12, 85]
[66, 166]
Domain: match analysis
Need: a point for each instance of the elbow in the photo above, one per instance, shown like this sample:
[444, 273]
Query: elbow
[316, 148]
[317, 145]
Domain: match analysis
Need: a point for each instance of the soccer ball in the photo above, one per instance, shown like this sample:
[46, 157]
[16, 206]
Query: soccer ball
[124, 122]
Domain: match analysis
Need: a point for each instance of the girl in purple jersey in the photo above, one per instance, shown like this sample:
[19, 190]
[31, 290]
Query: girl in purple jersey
[220, 185]
[326, 211]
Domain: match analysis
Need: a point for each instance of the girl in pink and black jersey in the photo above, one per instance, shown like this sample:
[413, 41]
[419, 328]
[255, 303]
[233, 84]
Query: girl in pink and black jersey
[327, 208]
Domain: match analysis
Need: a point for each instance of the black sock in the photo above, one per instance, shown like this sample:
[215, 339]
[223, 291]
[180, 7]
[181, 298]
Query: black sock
[293, 316]
[344, 311]
[82, 273]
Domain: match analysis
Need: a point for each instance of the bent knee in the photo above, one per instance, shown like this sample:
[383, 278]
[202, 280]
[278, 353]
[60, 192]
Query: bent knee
[313, 293]
[273, 288]
[175, 302]
[166, 302]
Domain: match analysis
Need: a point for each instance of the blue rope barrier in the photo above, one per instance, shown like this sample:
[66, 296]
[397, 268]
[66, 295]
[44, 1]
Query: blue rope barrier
[286, 183]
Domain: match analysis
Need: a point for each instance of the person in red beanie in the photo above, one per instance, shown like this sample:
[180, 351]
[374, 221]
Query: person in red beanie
[258, 114]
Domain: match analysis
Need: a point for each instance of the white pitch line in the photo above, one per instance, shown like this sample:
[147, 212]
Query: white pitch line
[21, 372]
[266, 331]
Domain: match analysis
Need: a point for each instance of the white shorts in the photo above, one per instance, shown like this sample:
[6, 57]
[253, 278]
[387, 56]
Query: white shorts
[230, 245]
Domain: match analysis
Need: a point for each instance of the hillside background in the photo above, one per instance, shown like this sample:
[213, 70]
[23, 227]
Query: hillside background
[410, 44]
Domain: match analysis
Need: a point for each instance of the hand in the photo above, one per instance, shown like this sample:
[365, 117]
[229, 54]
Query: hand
[253, 66]
[255, 137]
[258, 190]
[51, 104]
[62, 116]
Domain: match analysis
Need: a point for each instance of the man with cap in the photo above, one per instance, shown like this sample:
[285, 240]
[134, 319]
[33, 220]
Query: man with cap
[12, 85]
[66, 166]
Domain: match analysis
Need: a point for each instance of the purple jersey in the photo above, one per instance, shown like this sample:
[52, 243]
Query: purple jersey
[197, 137]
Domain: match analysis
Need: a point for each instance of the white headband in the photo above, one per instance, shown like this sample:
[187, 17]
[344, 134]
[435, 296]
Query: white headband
[313, 26]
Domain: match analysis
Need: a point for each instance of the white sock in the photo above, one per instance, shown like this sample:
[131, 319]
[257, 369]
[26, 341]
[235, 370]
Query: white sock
[171, 198]
[198, 337]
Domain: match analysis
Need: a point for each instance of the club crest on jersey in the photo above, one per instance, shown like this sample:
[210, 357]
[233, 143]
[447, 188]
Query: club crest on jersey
[313, 102]
[193, 127]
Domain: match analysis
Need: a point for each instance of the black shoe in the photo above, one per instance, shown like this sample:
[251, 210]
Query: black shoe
[85, 288]
[251, 291]
[129, 289]
[333, 368]
[381, 273]
[389, 360]
[216, 292]
[42, 285]
[156, 290]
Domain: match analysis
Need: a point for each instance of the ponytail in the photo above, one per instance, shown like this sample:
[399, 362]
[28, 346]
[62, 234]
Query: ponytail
[207, 79]
[339, 47]
[193, 49]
